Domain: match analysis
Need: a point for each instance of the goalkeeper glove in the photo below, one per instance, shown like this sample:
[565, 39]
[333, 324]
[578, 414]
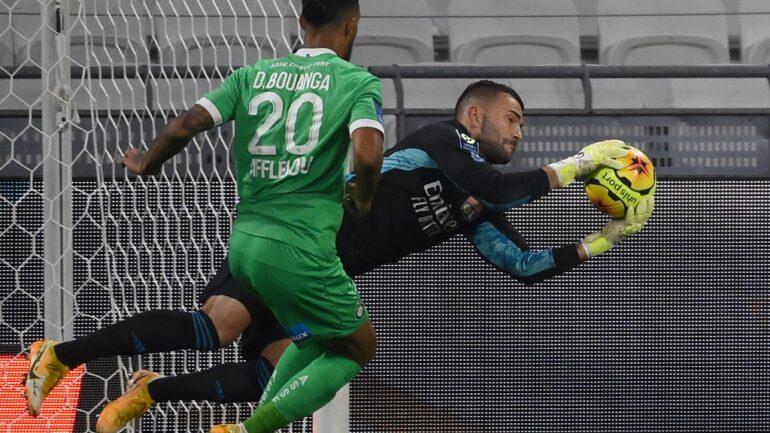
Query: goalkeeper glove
[618, 229]
[589, 159]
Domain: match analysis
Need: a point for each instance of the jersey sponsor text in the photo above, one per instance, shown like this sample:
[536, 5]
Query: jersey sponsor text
[276, 170]
[433, 213]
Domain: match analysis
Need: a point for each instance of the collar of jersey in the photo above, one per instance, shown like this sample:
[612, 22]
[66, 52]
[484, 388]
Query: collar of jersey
[313, 52]
[459, 126]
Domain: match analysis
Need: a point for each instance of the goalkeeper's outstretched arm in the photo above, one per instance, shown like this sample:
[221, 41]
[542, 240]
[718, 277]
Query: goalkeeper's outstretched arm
[502, 245]
[170, 140]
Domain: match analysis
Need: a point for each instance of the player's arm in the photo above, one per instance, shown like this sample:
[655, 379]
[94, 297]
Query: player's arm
[499, 190]
[616, 230]
[476, 177]
[366, 135]
[174, 137]
[215, 108]
[503, 246]
[367, 162]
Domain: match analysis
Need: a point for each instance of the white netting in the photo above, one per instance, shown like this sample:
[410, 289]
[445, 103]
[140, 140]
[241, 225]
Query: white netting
[80, 82]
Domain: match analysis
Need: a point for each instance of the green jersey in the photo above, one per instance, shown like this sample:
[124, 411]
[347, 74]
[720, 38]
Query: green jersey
[293, 120]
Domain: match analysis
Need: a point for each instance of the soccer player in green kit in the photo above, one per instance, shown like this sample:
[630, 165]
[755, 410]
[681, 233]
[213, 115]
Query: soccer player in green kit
[294, 120]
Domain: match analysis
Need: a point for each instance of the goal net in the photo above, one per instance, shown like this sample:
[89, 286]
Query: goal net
[83, 245]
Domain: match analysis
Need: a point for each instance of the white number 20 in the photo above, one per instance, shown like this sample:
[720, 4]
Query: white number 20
[272, 98]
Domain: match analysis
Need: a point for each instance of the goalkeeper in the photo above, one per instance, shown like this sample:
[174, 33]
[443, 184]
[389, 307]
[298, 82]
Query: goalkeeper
[435, 183]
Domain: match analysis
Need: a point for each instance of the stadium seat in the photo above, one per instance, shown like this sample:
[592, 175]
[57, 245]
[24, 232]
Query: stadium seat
[107, 42]
[6, 40]
[18, 22]
[6, 55]
[684, 93]
[96, 36]
[439, 9]
[178, 94]
[659, 32]
[755, 31]
[223, 33]
[443, 93]
[522, 32]
[654, 38]
[393, 32]
[96, 94]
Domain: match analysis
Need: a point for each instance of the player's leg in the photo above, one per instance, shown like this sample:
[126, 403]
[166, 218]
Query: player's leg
[226, 383]
[262, 343]
[320, 308]
[147, 332]
[229, 317]
[332, 365]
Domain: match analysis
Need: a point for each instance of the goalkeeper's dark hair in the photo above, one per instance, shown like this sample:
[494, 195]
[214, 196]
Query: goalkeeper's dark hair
[320, 13]
[485, 89]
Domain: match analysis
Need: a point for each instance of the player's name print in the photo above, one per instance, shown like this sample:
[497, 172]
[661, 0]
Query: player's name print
[276, 170]
[293, 82]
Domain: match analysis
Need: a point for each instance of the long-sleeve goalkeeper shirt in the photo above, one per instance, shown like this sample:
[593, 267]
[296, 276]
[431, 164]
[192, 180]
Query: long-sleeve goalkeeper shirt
[435, 185]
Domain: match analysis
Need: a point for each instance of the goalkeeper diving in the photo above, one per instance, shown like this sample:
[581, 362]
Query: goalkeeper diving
[435, 183]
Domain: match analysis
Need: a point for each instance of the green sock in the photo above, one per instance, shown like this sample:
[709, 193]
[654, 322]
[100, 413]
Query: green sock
[309, 390]
[266, 419]
[291, 362]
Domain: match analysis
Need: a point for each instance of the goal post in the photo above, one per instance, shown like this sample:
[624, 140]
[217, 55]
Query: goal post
[335, 416]
[57, 171]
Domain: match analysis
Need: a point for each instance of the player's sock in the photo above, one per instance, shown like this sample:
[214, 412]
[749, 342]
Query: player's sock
[226, 383]
[148, 332]
[292, 361]
[266, 419]
[307, 391]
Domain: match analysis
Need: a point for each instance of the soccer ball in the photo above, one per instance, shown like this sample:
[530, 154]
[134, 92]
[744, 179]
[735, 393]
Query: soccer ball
[613, 191]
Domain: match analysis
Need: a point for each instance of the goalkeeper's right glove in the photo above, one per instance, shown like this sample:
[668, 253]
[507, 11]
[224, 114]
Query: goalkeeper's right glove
[591, 157]
[618, 229]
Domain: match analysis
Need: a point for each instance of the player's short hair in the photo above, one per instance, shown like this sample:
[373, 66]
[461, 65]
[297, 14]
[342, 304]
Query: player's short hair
[320, 13]
[485, 89]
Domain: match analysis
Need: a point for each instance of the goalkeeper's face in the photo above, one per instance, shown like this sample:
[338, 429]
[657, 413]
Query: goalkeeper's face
[501, 126]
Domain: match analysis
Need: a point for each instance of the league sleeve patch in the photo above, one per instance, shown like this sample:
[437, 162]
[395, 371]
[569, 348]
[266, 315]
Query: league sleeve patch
[378, 110]
[470, 145]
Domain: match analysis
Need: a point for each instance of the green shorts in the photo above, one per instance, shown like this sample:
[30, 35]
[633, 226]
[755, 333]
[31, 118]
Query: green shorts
[313, 298]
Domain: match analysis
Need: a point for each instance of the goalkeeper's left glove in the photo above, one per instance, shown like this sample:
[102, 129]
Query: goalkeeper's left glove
[618, 229]
[591, 157]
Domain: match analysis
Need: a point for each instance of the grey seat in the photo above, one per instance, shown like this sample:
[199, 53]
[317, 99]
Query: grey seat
[100, 33]
[755, 31]
[393, 32]
[669, 32]
[521, 32]
[662, 32]
[443, 93]
[110, 34]
[223, 33]
[6, 41]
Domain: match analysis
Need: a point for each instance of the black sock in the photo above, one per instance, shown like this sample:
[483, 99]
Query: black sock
[226, 383]
[148, 332]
